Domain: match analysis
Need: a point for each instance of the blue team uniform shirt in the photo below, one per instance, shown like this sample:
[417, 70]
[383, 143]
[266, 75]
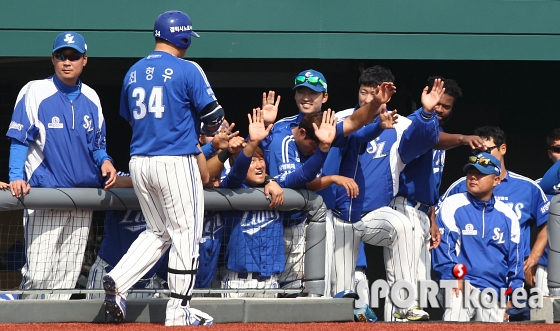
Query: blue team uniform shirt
[472, 229]
[522, 195]
[420, 180]
[256, 238]
[550, 184]
[63, 134]
[165, 94]
[375, 166]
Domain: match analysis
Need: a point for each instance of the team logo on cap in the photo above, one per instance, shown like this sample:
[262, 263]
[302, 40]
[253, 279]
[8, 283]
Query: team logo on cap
[69, 38]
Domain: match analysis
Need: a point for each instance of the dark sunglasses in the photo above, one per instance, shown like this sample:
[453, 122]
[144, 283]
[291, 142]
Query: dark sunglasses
[488, 150]
[480, 160]
[68, 56]
[312, 80]
[554, 149]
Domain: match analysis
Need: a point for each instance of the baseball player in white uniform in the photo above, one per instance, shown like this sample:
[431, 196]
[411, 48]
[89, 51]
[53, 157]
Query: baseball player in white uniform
[58, 140]
[375, 166]
[165, 98]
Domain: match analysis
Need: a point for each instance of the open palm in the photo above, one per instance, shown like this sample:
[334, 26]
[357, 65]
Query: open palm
[430, 100]
[257, 130]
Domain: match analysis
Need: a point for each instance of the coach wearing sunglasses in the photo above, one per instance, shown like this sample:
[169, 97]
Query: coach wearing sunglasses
[57, 137]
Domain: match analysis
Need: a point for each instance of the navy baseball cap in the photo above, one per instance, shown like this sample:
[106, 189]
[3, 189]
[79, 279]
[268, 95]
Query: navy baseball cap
[70, 39]
[486, 163]
[312, 79]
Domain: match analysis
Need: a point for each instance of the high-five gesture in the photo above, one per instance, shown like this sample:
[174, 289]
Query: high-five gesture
[387, 119]
[327, 131]
[384, 92]
[430, 100]
[270, 107]
[257, 130]
[224, 134]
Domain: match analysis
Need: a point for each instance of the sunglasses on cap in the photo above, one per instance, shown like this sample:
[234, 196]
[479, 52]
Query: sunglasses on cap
[74, 56]
[554, 149]
[488, 150]
[480, 160]
[312, 80]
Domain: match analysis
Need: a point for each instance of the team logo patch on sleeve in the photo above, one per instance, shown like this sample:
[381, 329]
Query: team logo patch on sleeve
[16, 126]
[469, 230]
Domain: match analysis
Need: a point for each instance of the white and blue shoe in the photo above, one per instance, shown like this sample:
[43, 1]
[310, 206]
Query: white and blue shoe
[197, 317]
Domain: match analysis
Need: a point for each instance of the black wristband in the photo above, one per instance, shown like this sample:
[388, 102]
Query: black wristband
[224, 155]
[269, 179]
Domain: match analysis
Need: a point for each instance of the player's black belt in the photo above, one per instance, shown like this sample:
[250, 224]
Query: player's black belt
[254, 275]
[418, 205]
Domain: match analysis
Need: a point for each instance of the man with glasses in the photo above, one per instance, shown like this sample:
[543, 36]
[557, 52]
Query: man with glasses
[57, 137]
[521, 194]
[487, 232]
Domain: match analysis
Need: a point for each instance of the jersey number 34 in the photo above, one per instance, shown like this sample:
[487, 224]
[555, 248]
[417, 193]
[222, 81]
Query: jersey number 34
[154, 102]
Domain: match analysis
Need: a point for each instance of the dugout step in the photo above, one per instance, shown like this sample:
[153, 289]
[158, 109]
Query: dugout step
[550, 312]
[242, 310]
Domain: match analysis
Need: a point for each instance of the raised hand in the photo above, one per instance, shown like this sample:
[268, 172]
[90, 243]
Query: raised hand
[327, 131]
[257, 131]
[224, 134]
[388, 119]
[430, 100]
[384, 92]
[270, 107]
[236, 144]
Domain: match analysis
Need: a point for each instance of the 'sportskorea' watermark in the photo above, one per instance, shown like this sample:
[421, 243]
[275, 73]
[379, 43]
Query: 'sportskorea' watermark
[403, 294]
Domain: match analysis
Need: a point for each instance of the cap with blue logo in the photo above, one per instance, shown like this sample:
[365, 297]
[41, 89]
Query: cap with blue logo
[312, 79]
[486, 163]
[70, 39]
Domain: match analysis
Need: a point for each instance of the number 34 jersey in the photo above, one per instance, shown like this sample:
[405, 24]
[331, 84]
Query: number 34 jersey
[162, 97]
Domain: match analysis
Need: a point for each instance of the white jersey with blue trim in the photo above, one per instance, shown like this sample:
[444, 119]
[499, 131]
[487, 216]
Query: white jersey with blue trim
[522, 195]
[162, 97]
[62, 134]
[482, 235]
[376, 166]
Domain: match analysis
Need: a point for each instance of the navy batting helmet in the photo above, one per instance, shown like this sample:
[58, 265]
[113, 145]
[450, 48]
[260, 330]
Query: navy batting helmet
[175, 27]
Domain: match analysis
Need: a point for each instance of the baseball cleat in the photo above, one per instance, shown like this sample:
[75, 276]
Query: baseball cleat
[115, 305]
[413, 314]
[197, 317]
[364, 314]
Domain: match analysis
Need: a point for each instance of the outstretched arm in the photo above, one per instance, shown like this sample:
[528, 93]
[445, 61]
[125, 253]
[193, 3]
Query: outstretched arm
[367, 113]
[449, 140]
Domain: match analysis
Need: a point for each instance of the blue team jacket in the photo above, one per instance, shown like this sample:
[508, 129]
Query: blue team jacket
[62, 134]
[256, 238]
[482, 235]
